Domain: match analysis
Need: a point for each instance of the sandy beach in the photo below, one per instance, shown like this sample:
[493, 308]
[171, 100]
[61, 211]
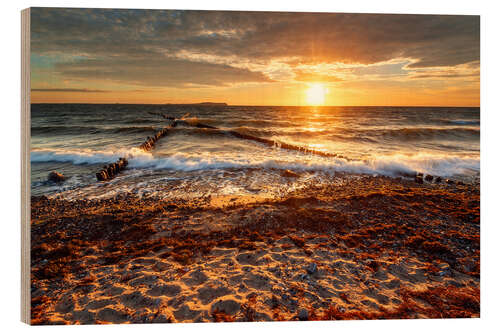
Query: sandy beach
[362, 247]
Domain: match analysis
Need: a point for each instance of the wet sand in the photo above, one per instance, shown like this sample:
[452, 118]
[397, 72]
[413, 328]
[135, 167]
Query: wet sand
[360, 248]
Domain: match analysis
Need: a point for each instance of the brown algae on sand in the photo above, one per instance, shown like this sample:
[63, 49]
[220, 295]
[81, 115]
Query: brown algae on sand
[371, 247]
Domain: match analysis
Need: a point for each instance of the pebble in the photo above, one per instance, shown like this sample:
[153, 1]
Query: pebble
[57, 177]
[303, 314]
[289, 173]
[312, 268]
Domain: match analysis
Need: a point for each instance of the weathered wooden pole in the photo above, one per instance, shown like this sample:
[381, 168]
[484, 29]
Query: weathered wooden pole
[111, 170]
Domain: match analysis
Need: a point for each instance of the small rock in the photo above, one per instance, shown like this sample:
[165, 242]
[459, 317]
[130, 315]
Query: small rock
[429, 178]
[449, 181]
[312, 268]
[57, 177]
[303, 314]
[289, 174]
[419, 179]
[438, 179]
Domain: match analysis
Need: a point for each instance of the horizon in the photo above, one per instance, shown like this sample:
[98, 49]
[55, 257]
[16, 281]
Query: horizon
[109, 56]
[270, 105]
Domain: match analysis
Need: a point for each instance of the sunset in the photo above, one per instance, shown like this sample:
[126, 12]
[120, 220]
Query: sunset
[246, 58]
[232, 166]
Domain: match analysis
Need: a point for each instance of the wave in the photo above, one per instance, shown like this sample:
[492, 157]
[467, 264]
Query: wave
[83, 156]
[135, 129]
[390, 165]
[463, 122]
[75, 130]
[64, 130]
[370, 135]
[259, 123]
[423, 133]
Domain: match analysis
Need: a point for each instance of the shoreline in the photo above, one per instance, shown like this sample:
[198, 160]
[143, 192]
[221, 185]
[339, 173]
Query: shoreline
[369, 247]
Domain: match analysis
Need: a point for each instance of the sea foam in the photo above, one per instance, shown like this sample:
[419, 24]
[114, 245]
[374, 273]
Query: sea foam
[388, 165]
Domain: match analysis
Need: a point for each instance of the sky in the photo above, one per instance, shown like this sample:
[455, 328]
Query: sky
[253, 58]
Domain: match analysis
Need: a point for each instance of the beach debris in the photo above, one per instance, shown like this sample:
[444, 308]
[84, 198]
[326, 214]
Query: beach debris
[429, 178]
[289, 174]
[449, 181]
[312, 268]
[57, 177]
[303, 315]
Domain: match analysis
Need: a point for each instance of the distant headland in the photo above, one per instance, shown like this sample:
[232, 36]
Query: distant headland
[201, 104]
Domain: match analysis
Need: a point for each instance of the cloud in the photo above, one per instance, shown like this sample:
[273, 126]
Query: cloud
[155, 72]
[442, 76]
[146, 47]
[69, 90]
[315, 77]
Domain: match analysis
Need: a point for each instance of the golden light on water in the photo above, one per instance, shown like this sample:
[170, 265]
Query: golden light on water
[315, 94]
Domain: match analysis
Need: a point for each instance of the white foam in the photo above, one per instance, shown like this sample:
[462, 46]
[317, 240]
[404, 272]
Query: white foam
[389, 165]
[83, 156]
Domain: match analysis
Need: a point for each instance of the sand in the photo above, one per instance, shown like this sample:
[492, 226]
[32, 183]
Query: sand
[361, 248]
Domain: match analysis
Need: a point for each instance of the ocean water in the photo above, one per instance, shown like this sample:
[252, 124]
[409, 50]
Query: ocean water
[78, 139]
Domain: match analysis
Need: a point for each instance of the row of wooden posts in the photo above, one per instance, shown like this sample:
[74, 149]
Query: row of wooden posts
[111, 170]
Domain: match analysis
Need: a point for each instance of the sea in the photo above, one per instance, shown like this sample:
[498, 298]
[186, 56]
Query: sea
[77, 140]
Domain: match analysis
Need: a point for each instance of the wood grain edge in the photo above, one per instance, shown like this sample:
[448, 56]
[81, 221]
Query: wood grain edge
[25, 165]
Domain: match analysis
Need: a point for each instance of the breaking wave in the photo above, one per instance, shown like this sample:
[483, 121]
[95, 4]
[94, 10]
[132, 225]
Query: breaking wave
[390, 165]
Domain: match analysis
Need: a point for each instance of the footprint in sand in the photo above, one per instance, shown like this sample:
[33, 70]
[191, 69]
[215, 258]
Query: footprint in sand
[185, 313]
[84, 317]
[257, 281]
[113, 291]
[112, 315]
[393, 284]
[165, 289]
[146, 280]
[208, 294]
[136, 300]
[196, 278]
[250, 258]
[378, 297]
[98, 304]
[67, 304]
[229, 306]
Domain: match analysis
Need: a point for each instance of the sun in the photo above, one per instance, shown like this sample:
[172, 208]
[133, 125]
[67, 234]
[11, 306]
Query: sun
[315, 94]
